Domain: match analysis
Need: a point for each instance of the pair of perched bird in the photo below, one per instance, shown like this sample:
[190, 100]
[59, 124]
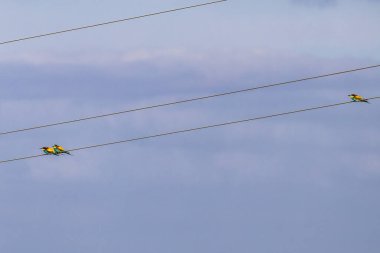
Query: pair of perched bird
[357, 98]
[55, 150]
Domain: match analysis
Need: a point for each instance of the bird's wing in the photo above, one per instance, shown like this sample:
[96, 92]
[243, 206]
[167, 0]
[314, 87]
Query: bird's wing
[359, 97]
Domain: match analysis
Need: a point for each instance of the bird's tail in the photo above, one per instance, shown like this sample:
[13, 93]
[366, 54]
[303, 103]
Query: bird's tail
[366, 101]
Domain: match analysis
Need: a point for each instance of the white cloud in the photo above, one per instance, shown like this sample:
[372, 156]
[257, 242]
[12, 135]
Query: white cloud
[72, 168]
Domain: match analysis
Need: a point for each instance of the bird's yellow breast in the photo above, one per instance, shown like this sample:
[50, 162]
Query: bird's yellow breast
[51, 150]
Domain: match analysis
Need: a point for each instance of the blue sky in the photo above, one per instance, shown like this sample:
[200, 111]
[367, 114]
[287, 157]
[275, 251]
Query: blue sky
[307, 182]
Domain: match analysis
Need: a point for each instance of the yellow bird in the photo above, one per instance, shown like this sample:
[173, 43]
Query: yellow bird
[357, 98]
[49, 151]
[59, 149]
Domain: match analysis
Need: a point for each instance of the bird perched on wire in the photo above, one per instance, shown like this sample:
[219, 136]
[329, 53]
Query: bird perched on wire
[357, 98]
[49, 151]
[60, 150]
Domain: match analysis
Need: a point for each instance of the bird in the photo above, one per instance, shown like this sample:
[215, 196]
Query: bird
[49, 151]
[59, 149]
[358, 98]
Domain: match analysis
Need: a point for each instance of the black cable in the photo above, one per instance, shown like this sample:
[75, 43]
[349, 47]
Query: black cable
[193, 129]
[188, 100]
[108, 23]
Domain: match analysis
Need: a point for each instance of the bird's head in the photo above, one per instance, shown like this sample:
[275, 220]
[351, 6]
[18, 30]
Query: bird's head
[44, 148]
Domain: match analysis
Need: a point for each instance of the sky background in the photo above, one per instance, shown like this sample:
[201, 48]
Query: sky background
[303, 183]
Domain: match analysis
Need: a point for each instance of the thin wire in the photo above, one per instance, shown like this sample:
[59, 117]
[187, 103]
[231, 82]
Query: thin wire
[187, 100]
[109, 22]
[193, 129]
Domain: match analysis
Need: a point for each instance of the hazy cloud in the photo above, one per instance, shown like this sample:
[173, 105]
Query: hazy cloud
[316, 3]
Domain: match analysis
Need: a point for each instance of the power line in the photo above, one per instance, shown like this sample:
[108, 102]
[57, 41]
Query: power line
[188, 100]
[109, 22]
[193, 129]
